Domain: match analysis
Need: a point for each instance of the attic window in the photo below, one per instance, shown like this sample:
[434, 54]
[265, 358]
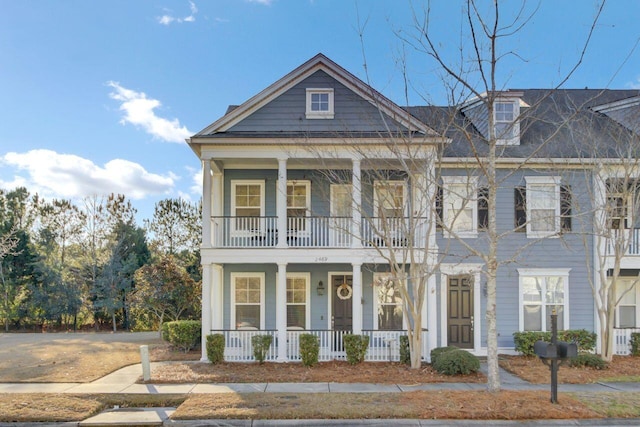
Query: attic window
[507, 127]
[319, 104]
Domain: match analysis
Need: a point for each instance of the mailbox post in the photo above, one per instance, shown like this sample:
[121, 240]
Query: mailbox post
[554, 354]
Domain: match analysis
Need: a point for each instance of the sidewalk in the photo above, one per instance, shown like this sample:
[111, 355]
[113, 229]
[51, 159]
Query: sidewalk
[123, 381]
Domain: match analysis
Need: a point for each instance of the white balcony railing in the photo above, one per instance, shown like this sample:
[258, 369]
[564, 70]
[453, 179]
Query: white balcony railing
[630, 239]
[622, 343]
[383, 345]
[262, 232]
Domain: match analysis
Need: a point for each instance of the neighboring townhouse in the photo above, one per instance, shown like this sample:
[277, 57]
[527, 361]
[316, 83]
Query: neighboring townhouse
[305, 195]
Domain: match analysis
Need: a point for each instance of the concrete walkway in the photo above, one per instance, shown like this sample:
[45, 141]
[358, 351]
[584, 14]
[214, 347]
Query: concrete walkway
[123, 381]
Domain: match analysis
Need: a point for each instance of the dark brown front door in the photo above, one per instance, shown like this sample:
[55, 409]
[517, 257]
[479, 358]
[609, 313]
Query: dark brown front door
[460, 312]
[342, 319]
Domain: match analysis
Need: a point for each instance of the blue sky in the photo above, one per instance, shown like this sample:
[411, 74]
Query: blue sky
[98, 96]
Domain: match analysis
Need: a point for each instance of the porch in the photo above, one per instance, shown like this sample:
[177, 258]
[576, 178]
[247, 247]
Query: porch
[630, 240]
[384, 346]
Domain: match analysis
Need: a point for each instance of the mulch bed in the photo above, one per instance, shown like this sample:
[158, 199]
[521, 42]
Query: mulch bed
[533, 370]
[335, 371]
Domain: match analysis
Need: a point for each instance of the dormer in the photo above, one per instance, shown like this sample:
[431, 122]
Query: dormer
[506, 116]
[625, 112]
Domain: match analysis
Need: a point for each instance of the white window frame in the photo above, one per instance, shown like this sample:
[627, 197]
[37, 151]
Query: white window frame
[307, 304]
[307, 185]
[627, 198]
[449, 197]
[621, 287]
[514, 122]
[246, 233]
[233, 277]
[395, 227]
[544, 273]
[530, 204]
[376, 303]
[329, 114]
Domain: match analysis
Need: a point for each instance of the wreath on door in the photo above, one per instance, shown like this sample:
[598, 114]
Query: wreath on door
[344, 291]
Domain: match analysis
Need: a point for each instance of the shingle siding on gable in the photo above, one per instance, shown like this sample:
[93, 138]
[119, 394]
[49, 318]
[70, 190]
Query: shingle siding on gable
[286, 113]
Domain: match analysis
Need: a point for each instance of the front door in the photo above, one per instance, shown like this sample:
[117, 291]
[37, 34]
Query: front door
[342, 317]
[460, 312]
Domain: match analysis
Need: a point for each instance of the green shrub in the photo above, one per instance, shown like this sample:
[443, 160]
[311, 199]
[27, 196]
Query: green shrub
[586, 340]
[165, 331]
[183, 334]
[588, 360]
[635, 343]
[456, 362]
[261, 344]
[436, 352]
[405, 353]
[524, 341]
[356, 347]
[309, 349]
[215, 348]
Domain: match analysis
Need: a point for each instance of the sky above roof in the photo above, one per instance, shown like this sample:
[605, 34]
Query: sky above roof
[98, 97]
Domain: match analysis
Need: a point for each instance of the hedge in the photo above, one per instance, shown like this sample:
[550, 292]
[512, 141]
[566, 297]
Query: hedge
[524, 341]
[183, 334]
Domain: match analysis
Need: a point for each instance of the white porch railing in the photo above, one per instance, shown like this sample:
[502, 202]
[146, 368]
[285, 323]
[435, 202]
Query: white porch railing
[631, 240]
[622, 343]
[384, 346]
[244, 231]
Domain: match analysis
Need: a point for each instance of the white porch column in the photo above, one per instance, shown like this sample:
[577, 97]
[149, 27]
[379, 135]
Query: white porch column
[217, 209]
[356, 299]
[281, 203]
[217, 293]
[356, 204]
[420, 209]
[431, 307]
[206, 204]
[281, 312]
[206, 308]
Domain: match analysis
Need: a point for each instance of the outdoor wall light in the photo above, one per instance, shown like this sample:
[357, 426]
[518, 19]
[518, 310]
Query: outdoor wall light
[320, 288]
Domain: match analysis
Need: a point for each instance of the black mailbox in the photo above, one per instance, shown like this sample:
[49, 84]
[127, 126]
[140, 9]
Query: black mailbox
[545, 350]
[567, 349]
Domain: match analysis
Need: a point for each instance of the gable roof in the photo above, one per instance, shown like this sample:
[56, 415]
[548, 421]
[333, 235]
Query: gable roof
[318, 62]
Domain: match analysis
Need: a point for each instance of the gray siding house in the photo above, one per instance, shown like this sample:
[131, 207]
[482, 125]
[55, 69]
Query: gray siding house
[314, 184]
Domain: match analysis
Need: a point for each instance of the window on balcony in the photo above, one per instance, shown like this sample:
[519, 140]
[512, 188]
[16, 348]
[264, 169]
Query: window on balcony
[388, 303]
[541, 292]
[297, 300]
[620, 197]
[247, 300]
[298, 205]
[247, 206]
[389, 207]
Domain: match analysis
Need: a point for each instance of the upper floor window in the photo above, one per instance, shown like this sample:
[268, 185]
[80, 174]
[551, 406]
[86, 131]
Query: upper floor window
[621, 195]
[298, 204]
[460, 205]
[506, 126]
[389, 199]
[319, 104]
[543, 207]
[247, 205]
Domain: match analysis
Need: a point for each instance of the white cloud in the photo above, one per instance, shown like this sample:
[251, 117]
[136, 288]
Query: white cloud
[139, 111]
[53, 174]
[635, 84]
[264, 2]
[168, 19]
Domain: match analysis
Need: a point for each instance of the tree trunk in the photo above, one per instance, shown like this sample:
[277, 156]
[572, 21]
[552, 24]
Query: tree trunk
[113, 321]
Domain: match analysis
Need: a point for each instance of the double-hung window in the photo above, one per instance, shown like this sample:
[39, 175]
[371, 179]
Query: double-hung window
[388, 303]
[542, 292]
[507, 129]
[319, 104]
[543, 206]
[620, 197]
[247, 300]
[298, 300]
[460, 205]
[247, 207]
[389, 205]
[298, 205]
[628, 292]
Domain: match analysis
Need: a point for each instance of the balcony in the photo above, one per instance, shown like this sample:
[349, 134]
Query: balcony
[312, 232]
[630, 240]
